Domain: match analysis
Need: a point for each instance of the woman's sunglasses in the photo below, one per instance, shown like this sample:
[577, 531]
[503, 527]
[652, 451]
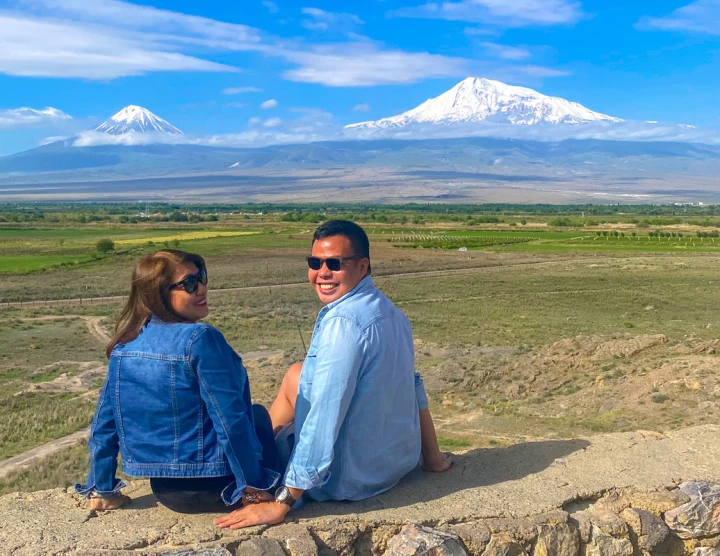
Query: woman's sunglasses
[190, 283]
[333, 263]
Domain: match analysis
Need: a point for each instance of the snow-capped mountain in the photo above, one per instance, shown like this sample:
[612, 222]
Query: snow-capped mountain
[136, 119]
[477, 99]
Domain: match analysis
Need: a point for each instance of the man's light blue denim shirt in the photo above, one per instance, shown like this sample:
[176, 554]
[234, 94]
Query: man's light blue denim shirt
[357, 425]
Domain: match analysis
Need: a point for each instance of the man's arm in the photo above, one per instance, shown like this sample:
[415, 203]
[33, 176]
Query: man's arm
[433, 459]
[339, 357]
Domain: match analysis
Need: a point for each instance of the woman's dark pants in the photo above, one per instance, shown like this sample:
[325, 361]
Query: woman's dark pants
[202, 495]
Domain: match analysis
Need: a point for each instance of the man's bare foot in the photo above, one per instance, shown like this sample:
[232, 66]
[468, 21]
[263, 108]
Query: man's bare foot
[112, 503]
[438, 463]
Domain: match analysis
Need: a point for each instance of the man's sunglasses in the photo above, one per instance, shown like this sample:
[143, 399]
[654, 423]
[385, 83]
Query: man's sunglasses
[190, 283]
[333, 263]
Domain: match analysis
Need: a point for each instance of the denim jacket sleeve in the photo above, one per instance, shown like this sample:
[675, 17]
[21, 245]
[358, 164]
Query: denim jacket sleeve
[104, 445]
[225, 390]
[339, 357]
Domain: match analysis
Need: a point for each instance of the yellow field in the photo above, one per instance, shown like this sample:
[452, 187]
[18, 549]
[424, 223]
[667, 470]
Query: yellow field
[182, 237]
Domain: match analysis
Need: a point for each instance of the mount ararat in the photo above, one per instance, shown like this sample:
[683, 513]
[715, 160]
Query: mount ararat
[136, 154]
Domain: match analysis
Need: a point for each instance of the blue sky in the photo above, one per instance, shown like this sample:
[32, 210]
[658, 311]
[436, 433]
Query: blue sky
[211, 67]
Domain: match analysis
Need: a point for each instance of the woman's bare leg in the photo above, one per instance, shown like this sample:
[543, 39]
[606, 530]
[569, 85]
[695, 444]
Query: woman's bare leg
[282, 410]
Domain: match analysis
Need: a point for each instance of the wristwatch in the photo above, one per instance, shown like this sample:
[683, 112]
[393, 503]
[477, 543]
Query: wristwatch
[283, 496]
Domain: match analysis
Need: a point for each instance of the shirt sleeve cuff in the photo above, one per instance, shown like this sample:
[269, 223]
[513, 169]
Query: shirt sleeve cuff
[304, 478]
[420, 393]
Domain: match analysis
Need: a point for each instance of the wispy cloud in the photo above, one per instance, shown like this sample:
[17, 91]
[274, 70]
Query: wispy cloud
[321, 20]
[361, 107]
[240, 90]
[366, 64]
[270, 103]
[16, 118]
[542, 71]
[272, 7]
[701, 16]
[235, 105]
[272, 122]
[505, 52]
[505, 13]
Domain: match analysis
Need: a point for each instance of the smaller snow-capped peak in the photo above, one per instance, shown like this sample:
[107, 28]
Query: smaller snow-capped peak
[136, 119]
[477, 99]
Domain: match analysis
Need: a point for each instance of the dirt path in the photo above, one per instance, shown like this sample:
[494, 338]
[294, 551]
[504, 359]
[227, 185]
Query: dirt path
[93, 324]
[26, 459]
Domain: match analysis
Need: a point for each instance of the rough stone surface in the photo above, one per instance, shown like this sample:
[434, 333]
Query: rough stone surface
[260, 547]
[602, 544]
[296, 539]
[201, 552]
[415, 540]
[476, 536]
[701, 516]
[499, 486]
[649, 530]
[657, 502]
[557, 540]
[704, 551]
[504, 545]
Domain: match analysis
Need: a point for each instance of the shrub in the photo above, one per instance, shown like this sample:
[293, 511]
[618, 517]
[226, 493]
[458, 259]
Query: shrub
[105, 245]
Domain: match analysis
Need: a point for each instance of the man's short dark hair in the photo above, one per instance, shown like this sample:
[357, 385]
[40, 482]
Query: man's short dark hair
[357, 236]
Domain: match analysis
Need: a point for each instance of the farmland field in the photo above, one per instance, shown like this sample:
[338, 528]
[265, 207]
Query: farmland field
[538, 333]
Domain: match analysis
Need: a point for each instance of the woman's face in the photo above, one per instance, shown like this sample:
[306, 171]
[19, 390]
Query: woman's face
[191, 306]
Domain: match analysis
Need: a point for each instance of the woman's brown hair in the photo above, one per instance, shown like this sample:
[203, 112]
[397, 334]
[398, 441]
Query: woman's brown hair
[150, 294]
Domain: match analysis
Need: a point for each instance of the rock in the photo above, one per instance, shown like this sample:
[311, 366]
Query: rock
[706, 552]
[476, 536]
[599, 520]
[416, 540]
[700, 517]
[557, 540]
[260, 547]
[504, 545]
[602, 544]
[657, 502]
[649, 530]
[581, 522]
[296, 539]
[340, 538]
[202, 552]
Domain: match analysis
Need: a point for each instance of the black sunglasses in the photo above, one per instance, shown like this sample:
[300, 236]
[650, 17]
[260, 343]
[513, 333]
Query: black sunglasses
[333, 263]
[190, 283]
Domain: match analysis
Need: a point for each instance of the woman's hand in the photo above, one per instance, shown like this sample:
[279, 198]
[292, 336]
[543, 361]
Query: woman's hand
[110, 503]
[263, 513]
[439, 462]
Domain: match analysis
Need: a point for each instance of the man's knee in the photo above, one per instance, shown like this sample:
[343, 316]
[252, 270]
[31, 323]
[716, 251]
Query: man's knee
[292, 376]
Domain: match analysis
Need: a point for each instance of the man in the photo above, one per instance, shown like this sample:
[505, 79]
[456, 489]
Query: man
[359, 409]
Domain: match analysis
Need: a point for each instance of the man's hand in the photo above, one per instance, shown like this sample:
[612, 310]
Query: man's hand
[111, 503]
[264, 513]
[439, 462]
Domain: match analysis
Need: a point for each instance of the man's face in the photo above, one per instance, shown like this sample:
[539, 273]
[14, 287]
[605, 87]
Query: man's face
[331, 286]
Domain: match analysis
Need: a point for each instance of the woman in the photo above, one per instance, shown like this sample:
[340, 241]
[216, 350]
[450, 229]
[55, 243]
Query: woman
[176, 402]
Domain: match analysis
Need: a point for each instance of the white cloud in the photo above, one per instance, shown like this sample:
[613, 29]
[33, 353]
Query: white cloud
[506, 52]
[321, 20]
[240, 90]
[16, 118]
[272, 122]
[701, 16]
[365, 107]
[270, 103]
[541, 71]
[272, 7]
[235, 105]
[364, 65]
[505, 13]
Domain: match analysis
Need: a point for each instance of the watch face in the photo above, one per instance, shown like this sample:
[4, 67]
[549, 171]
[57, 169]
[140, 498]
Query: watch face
[282, 495]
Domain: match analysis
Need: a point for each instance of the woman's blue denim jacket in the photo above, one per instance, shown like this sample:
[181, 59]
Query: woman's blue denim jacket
[176, 403]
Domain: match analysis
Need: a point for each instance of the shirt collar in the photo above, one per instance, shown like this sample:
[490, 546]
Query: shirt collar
[364, 285]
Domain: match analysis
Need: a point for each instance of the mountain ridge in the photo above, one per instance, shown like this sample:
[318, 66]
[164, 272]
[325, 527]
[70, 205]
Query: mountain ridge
[478, 99]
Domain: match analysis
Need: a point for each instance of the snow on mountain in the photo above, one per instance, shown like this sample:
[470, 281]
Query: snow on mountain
[477, 99]
[136, 119]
